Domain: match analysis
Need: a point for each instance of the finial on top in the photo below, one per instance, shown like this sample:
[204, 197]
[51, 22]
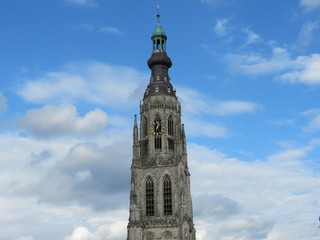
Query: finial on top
[158, 13]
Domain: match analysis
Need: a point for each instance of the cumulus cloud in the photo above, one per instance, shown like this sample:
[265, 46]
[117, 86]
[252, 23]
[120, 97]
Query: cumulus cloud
[62, 120]
[306, 71]
[80, 233]
[254, 64]
[89, 176]
[58, 184]
[93, 82]
[3, 103]
[256, 199]
[310, 4]
[115, 231]
[302, 69]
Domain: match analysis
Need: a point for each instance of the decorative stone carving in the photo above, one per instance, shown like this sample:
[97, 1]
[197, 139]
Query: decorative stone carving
[161, 222]
[166, 162]
[149, 161]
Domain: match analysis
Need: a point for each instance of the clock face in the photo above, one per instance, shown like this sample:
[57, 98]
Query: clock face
[157, 128]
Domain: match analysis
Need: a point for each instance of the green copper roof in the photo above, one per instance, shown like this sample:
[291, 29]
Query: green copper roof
[158, 31]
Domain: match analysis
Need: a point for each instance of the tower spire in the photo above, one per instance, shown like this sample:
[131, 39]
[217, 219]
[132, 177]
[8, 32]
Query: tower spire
[159, 63]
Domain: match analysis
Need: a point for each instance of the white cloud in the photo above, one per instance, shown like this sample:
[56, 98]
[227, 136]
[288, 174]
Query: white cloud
[252, 37]
[93, 82]
[302, 69]
[221, 28]
[80, 233]
[54, 185]
[310, 4]
[24, 238]
[3, 103]
[196, 103]
[111, 30]
[107, 29]
[62, 120]
[305, 71]
[314, 124]
[207, 128]
[89, 3]
[114, 231]
[254, 64]
[254, 200]
[291, 155]
[87, 27]
[306, 33]
[197, 109]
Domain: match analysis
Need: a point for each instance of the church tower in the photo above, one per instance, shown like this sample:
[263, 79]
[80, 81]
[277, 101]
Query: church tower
[160, 200]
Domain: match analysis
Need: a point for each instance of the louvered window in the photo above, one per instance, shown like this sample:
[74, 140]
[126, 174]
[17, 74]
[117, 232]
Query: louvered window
[149, 197]
[167, 196]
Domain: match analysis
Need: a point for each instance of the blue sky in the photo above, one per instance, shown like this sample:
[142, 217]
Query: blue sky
[72, 74]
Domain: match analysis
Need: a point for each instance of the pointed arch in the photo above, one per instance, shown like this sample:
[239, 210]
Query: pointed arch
[149, 197]
[149, 236]
[167, 235]
[167, 195]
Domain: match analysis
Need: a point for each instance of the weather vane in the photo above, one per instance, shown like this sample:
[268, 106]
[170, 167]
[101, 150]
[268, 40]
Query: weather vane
[158, 9]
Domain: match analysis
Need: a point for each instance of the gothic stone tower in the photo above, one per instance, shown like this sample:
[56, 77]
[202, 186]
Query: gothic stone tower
[160, 201]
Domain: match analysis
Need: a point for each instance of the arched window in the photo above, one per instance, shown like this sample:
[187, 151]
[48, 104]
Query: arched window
[167, 196]
[149, 236]
[170, 144]
[170, 126]
[149, 197]
[167, 235]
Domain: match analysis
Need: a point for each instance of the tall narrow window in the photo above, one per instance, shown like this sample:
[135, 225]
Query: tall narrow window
[149, 197]
[157, 142]
[170, 126]
[144, 128]
[170, 144]
[157, 131]
[167, 196]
